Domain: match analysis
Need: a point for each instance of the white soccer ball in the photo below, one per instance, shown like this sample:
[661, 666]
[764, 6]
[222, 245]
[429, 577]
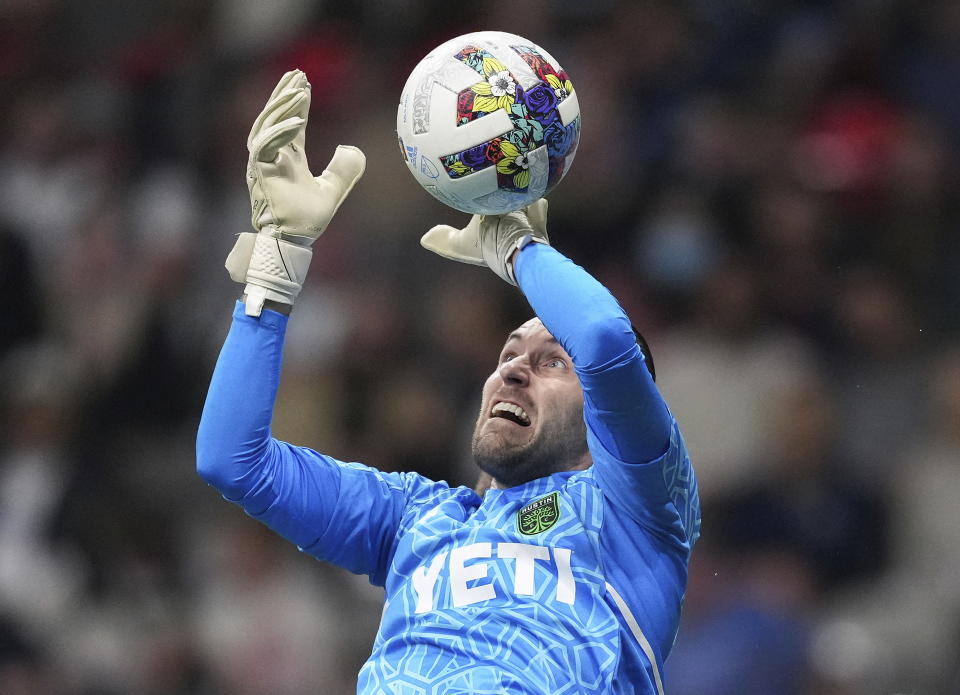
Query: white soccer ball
[488, 122]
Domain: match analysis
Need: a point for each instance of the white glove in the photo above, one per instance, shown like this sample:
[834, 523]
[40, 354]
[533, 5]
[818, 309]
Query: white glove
[291, 207]
[490, 240]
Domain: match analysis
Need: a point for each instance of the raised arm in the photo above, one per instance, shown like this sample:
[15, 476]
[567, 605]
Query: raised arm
[344, 513]
[622, 405]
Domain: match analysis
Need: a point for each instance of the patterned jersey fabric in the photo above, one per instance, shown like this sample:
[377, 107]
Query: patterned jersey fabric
[540, 588]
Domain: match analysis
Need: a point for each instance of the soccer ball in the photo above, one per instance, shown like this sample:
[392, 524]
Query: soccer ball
[488, 122]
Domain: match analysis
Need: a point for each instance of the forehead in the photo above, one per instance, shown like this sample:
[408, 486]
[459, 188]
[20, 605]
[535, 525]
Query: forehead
[532, 331]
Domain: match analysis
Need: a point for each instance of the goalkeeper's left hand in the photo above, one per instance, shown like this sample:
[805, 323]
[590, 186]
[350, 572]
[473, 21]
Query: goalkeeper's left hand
[291, 208]
[491, 240]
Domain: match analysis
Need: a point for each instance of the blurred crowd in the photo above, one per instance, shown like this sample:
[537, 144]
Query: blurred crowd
[770, 188]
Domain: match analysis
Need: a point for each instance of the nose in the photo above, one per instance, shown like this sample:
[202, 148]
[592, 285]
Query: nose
[516, 371]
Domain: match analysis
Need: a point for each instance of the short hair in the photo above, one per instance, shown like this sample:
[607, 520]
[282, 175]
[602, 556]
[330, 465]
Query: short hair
[645, 349]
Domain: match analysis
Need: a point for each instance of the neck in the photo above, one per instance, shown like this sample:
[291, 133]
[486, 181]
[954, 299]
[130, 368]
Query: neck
[488, 482]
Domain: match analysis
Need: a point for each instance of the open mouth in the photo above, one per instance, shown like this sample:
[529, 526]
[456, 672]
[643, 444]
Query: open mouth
[512, 412]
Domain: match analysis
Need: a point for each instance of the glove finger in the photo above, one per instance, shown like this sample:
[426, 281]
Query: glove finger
[289, 86]
[342, 173]
[264, 148]
[455, 244]
[537, 215]
[301, 109]
[288, 80]
[287, 105]
[288, 83]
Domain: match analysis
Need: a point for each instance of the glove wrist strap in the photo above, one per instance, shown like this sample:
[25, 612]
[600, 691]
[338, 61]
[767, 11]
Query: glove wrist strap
[276, 272]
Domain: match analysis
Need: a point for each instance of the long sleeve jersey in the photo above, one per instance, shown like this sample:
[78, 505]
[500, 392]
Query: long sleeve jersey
[571, 583]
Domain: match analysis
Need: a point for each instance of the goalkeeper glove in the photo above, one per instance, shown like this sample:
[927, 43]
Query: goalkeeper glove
[291, 208]
[490, 240]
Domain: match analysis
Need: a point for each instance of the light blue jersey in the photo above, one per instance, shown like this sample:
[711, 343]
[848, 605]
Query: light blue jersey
[572, 583]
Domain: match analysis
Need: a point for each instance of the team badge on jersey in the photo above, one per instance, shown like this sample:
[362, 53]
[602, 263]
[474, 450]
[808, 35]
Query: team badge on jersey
[539, 515]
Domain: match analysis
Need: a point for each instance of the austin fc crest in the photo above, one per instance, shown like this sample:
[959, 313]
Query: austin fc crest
[539, 515]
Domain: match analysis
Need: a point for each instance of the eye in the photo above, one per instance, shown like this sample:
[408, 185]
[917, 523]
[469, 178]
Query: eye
[555, 363]
[506, 357]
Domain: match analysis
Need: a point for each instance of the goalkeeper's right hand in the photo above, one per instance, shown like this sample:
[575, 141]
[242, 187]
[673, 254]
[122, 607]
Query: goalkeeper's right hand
[291, 208]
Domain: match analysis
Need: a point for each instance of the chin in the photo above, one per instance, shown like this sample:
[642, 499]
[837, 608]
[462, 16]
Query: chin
[509, 465]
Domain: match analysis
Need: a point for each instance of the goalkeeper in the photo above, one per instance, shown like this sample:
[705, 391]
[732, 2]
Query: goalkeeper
[568, 574]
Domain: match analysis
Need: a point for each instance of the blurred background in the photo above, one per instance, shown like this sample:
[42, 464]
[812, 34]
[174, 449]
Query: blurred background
[769, 187]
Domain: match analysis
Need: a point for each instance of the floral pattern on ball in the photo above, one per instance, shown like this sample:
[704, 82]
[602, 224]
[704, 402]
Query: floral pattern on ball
[533, 113]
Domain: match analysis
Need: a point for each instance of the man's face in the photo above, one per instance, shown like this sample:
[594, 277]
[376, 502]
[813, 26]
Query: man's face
[531, 417]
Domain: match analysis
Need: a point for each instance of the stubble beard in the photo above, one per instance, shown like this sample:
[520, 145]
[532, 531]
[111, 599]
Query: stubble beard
[559, 446]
